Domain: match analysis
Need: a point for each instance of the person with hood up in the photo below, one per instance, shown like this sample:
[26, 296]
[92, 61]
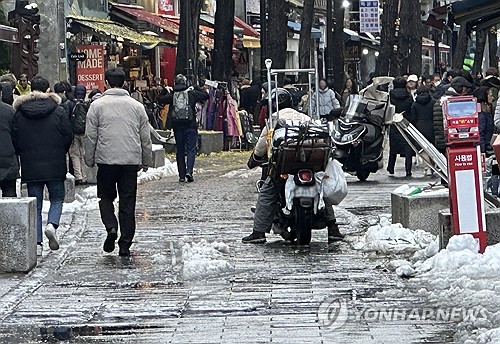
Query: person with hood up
[327, 100]
[183, 101]
[9, 163]
[42, 136]
[422, 112]
[77, 150]
[117, 139]
[484, 96]
[402, 100]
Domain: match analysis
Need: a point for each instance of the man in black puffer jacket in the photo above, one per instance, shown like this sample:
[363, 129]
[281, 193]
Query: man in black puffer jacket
[402, 100]
[42, 136]
[9, 164]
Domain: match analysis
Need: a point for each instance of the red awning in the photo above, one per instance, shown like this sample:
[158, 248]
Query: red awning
[161, 22]
[247, 29]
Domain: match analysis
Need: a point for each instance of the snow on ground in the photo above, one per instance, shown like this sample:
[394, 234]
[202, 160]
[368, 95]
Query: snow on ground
[243, 173]
[388, 238]
[204, 259]
[457, 276]
[170, 169]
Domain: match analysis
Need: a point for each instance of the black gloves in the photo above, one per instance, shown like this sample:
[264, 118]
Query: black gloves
[256, 161]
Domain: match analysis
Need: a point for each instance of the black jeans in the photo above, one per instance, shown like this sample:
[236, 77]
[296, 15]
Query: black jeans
[8, 188]
[185, 145]
[392, 163]
[123, 178]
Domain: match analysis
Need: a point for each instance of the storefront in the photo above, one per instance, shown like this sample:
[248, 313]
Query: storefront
[92, 49]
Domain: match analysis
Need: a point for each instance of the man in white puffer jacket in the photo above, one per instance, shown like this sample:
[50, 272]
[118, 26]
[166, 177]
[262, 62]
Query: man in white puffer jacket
[118, 140]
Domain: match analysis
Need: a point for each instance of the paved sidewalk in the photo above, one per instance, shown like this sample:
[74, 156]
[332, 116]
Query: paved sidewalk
[271, 294]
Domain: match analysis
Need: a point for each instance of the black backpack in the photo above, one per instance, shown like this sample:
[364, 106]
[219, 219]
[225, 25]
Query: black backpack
[79, 117]
[182, 108]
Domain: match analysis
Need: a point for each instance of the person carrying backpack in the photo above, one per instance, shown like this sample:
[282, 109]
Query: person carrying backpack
[78, 119]
[183, 102]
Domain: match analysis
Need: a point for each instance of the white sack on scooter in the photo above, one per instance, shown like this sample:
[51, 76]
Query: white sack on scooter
[334, 184]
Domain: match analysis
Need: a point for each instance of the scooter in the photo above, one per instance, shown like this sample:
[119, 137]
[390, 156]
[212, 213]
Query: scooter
[358, 134]
[300, 153]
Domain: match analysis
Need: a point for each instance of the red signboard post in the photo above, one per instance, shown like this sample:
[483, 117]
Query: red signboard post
[464, 168]
[90, 70]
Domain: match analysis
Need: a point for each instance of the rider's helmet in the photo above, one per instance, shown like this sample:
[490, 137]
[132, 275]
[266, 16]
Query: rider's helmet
[285, 99]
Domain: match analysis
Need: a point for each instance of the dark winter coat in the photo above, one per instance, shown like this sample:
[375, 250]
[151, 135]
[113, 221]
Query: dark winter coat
[402, 100]
[440, 140]
[42, 136]
[249, 96]
[486, 130]
[422, 112]
[9, 164]
[195, 96]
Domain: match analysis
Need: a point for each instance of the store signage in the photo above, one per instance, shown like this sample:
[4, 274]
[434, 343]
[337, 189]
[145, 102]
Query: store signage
[90, 71]
[166, 7]
[77, 56]
[369, 16]
[352, 52]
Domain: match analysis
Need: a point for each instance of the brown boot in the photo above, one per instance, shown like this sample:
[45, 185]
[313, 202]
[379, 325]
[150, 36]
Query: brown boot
[334, 233]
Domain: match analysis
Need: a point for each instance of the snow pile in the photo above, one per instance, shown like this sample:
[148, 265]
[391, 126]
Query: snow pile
[388, 238]
[205, 259]
[170, 169]
[405, 190]
[243, 173]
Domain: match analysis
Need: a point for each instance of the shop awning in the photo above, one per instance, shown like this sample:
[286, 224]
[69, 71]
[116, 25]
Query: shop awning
[247, 29]
[478, 14]
[112, 29]
[315, 33]
[167, 24]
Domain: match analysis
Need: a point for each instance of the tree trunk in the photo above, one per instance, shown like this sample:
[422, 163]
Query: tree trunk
[479, 52]
[224, 31]
[338, 42]
[306, 43]
[493, 44]
[412, 30]
[461, 49]
[187, 43]
[386, 63]
[277, 32]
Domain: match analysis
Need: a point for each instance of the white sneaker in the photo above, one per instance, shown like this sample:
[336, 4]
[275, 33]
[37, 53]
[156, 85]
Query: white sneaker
[50, 233]
[39, 250]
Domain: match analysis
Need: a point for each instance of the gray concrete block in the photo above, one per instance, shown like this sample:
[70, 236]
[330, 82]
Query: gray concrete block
[69, 187]
[158, 156]
[492, 227]
[17, 234]
[92, 174]
[211, 142]
[420, 211]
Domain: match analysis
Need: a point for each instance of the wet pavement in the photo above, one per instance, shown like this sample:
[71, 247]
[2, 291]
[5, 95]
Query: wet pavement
[257, 294]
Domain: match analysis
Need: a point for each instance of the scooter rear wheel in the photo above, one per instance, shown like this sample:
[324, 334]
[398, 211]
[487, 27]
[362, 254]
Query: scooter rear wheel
[304, 218]
[362, 175]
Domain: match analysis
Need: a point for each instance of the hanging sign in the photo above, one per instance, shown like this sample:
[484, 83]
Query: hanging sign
[166, 7]
[369, 15]
[90, 71]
